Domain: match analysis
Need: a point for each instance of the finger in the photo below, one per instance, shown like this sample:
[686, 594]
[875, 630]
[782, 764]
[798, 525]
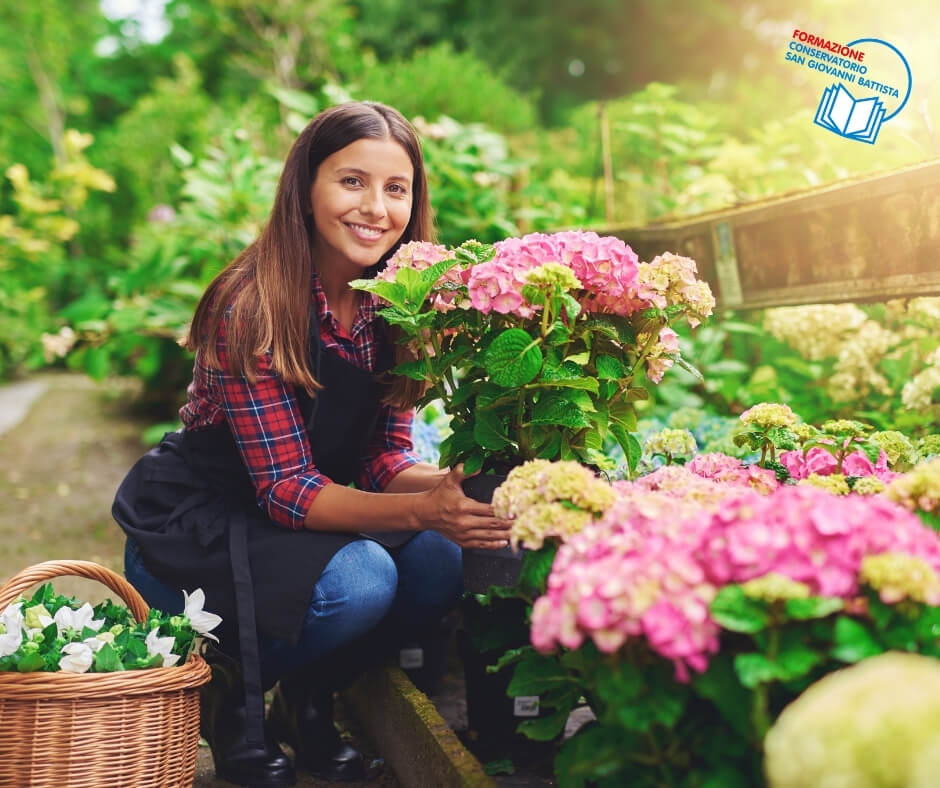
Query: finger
[477, 509]
[486, 534]
[482, 544]
[484, 525]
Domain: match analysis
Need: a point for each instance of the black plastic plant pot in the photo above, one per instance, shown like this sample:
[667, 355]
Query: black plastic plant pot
[493, 716]
[485, 568]
[424, 659]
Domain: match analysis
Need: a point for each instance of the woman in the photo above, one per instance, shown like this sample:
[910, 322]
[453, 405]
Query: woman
[251, 499]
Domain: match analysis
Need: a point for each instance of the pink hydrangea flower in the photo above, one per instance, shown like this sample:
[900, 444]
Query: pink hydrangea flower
[810, 536]
[730, 470]
[651, 566]
[420, 255]
[822, 462]
[605, 266]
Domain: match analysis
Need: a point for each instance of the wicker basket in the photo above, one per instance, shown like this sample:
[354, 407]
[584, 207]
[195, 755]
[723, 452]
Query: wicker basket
[132, 728]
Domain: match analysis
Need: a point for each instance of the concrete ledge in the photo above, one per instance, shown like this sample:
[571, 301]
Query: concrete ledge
[410, 734]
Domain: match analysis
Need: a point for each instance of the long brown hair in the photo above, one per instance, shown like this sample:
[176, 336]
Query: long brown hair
[267, 287]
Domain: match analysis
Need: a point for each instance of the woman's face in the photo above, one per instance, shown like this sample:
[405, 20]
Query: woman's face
[361, 198]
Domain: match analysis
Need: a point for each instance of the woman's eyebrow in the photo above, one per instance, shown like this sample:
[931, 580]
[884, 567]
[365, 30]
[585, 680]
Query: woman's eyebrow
[357, 171]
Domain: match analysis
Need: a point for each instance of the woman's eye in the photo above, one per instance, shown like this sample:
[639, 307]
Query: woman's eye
[351, 180]
[397, 188]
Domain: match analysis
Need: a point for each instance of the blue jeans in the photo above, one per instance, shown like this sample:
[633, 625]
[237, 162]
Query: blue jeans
[362, 586]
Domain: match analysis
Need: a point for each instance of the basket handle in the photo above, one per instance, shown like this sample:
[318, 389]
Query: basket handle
[47, 570]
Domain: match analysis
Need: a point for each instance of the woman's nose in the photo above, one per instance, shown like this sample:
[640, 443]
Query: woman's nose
[372, 203]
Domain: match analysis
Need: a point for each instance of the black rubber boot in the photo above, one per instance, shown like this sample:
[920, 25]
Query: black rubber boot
[222, 724]
[301, 715]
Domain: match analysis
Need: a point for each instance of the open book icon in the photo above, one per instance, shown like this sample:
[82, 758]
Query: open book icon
[855, 119]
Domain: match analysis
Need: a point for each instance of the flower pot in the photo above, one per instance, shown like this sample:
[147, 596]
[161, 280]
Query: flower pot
[424, 659]
[485, 568]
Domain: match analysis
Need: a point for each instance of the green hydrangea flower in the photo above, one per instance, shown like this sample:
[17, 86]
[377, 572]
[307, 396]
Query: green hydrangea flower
[897, 576]
[898, 448]
[846, 427]
[551, 274]
[868, 485]
[774, 587]
[834, 483]
[919, 489]
[929, 445]
[672, 444]
[804, 432]
[769, 414]
[873, 725]
[686, 418]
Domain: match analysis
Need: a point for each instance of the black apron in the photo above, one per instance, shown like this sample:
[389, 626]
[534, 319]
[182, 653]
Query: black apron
[190, 506]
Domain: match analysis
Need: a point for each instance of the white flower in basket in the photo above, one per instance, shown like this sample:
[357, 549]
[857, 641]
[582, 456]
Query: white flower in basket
[78, 658]
[202, 621]
[12, 623]
[66, 618]
[162, 646]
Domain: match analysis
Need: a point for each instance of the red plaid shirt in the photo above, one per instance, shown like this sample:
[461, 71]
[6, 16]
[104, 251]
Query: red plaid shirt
[269, 430]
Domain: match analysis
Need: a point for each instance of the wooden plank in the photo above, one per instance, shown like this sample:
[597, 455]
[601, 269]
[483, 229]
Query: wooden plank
[864, 240]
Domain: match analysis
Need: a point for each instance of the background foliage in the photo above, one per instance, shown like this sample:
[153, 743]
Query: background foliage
[187, 125]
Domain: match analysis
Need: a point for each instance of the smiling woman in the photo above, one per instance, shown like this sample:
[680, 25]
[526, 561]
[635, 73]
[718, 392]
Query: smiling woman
[287, 410]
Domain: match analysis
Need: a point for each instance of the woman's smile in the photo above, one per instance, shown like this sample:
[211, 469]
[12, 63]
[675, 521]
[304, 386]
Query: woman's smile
[365, 232]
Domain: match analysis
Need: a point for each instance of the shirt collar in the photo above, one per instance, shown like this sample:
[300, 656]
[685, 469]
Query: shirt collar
[365, 315]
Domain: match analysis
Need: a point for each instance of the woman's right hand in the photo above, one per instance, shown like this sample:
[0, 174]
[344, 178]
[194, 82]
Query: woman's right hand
[467, 522]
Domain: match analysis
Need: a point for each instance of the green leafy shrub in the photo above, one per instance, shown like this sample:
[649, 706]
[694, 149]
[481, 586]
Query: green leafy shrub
[38, 249]
[132, 325]
[439, 81]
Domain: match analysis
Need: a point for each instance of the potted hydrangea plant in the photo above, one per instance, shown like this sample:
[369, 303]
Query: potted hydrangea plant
[536, 347]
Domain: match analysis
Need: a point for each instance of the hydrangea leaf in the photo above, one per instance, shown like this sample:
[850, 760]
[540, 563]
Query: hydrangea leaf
[396, 294]
[735, 611]
[609, 368]
[557, 410]
[754, 669]
[548, 727]
[489, 431]
[513, 359]
[536, 566]
[812, 607]
[416, 370]
[536, 673]
[853, 641]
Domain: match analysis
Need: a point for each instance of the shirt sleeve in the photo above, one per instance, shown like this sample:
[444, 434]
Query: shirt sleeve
[390, 450]
[266, 423]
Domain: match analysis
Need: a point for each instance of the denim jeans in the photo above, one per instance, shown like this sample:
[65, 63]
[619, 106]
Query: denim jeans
[362, 588]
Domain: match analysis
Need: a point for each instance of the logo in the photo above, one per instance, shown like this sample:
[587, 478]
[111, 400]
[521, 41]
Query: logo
[847, 107]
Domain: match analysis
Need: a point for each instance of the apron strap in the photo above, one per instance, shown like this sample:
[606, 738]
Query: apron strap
[247, 630]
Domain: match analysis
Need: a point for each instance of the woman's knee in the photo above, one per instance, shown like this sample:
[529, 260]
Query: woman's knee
[431, 570]
[361, 581]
